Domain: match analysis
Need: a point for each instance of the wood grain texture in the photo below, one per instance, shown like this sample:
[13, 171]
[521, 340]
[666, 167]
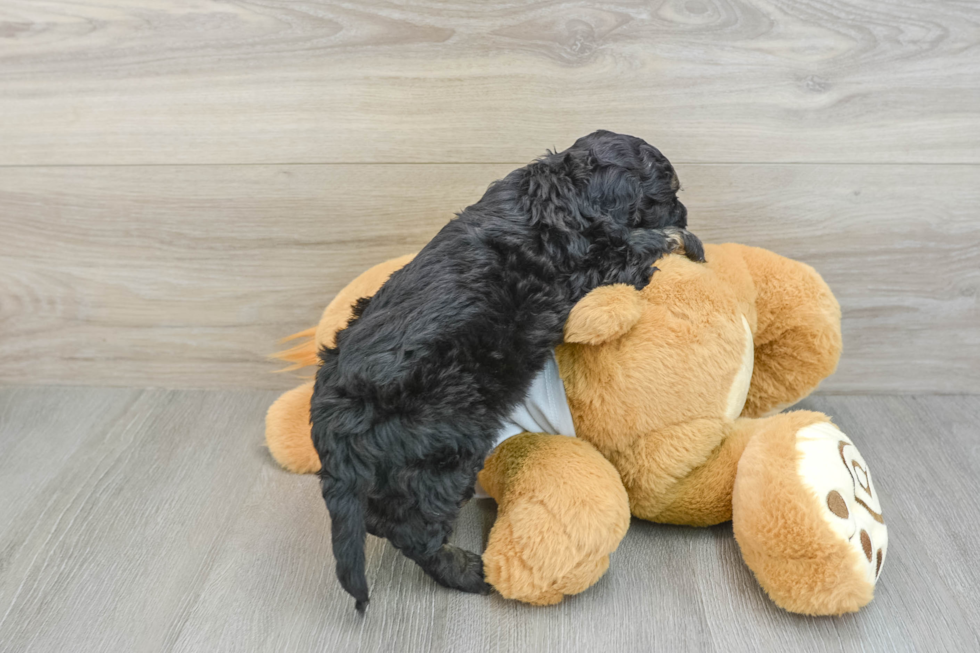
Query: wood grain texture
[154, 521]
[186, 276]
[108, 549]
[273, 81]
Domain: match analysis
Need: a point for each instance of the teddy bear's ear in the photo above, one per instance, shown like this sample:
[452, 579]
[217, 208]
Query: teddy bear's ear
[604, 314]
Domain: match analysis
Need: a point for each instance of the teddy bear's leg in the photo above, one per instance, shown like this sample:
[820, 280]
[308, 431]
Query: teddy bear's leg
[562, 510]
[807, 516]
[797, 339]
[287, 431]
[684, 474]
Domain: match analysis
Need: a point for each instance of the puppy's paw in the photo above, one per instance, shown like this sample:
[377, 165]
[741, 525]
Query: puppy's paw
[650, 245]
[457, 569]
[684, 242]
[470, 577]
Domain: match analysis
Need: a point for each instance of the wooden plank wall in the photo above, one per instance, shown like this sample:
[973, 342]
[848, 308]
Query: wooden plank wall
[183, 183]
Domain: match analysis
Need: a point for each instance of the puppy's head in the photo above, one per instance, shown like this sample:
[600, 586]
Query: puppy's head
[636, 185]
[619, 178]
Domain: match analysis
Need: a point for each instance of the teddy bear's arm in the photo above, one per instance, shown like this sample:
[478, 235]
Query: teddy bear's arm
[798, 337]
[562, 510]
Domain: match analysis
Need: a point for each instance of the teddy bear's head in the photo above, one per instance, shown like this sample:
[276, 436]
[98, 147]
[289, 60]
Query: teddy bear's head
[679, 350]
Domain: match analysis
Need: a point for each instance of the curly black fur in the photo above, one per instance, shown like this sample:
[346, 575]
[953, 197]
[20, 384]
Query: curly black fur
[406, 407]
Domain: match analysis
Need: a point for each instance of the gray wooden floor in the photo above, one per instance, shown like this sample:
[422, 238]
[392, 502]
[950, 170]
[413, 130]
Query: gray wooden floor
[154, 520]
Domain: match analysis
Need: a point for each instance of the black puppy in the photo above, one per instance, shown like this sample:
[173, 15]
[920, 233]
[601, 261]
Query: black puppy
[406, 407]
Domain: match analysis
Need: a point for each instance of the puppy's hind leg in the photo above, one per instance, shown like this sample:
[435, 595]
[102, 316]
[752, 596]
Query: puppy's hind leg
[453, 567]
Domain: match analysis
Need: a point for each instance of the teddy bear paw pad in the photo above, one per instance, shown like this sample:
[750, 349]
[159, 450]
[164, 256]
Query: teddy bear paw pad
[832, 467]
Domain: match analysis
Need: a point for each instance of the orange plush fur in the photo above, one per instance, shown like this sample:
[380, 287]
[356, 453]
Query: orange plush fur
[669, 389]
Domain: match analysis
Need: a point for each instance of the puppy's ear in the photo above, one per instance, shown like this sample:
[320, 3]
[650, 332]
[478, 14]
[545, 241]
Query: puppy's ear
[605, 314]
[550, 189]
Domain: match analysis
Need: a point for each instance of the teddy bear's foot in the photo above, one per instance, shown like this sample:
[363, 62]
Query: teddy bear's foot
[562, 509]
[807, 517]
[833, 468]
[531, 558]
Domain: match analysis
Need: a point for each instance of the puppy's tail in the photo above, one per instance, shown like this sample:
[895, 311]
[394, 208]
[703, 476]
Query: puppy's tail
[347, 502]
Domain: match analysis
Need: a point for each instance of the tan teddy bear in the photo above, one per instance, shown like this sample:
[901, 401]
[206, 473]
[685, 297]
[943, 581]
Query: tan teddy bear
[674, 393]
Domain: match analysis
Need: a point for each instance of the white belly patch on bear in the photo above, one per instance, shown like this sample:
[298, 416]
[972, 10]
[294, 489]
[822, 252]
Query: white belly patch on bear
[743, 378]
[544, 410]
